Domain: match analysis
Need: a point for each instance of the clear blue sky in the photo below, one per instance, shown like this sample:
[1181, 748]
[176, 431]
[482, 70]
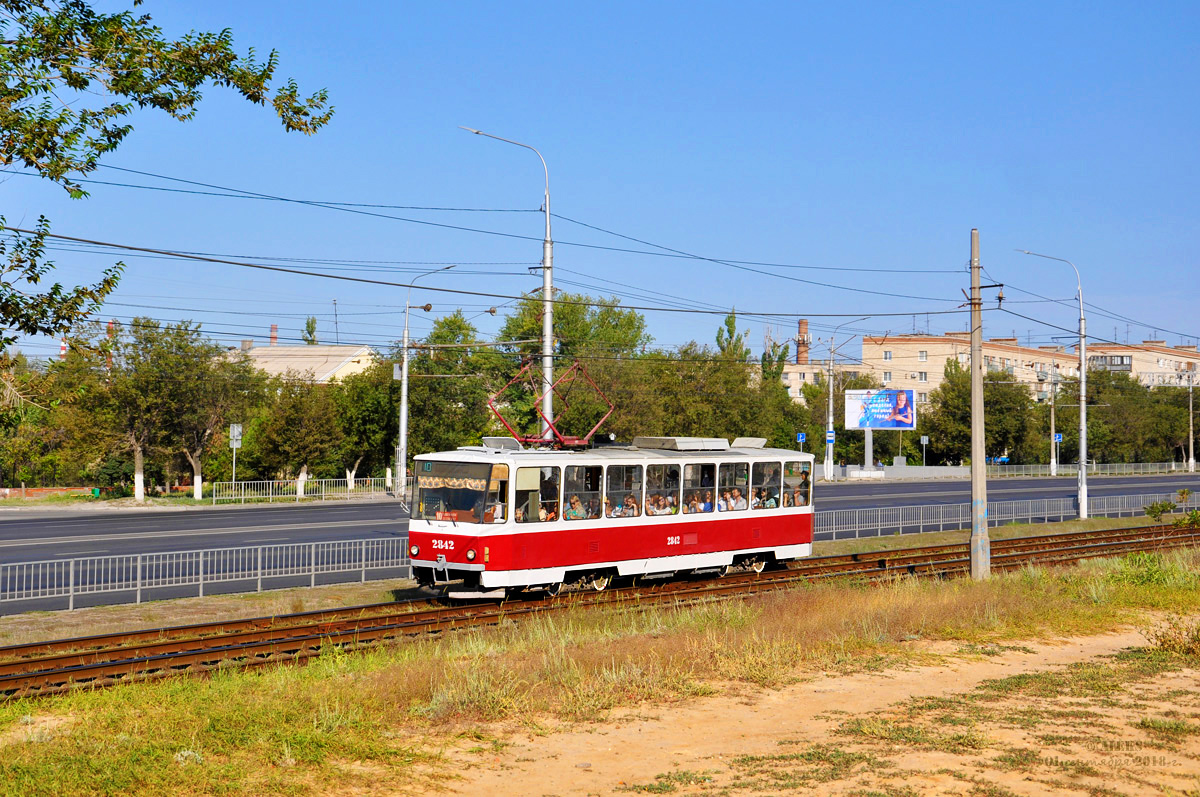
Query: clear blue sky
[834, 135]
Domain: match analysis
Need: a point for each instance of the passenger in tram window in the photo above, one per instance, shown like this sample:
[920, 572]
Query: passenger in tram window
[723, 502]
[736, 501]
[630, 509]
[593, 508]
[612, 507]
[707, 504]
[519, 514]
[672, 508]
[576, 510]
[787, 500]
[805, 487]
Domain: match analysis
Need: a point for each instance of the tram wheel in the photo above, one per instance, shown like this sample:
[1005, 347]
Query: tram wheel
[758, 565]
[724, 570]
[600, 583]
[553, 590]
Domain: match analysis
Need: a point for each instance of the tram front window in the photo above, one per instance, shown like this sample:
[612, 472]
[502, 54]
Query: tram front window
[455, 491]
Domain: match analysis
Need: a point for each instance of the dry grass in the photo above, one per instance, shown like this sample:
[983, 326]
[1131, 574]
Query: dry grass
[891, 542]
[293, 729]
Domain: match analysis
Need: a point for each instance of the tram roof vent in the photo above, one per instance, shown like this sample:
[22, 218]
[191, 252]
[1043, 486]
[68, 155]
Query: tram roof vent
[502, 443]
[749, 442]
[682, 443]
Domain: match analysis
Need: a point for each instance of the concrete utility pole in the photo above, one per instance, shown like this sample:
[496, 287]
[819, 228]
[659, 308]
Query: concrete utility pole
[402, 440]
[1083, 490]
[981, 547]
[547, 294]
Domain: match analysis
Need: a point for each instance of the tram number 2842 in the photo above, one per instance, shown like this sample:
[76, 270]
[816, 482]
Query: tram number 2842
[673, 540]
[445, 545]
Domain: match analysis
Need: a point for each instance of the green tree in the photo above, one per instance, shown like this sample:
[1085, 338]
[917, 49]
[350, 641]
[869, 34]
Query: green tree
[589, 329]
[1008, 416]
[207, 389]
[309, 335]
[72, 78]
[300, 434]
[367, 412]
[137, 405]
[731, 344]
[449, 387]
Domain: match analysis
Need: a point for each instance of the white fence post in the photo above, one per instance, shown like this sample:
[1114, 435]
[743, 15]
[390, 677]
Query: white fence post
[363, 559]
[259, 588]
[312, 564]
[202, 574]
[139, 578]
[71, 598]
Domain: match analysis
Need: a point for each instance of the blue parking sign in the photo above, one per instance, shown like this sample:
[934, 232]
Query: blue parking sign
[1058, 437]
[829, 437]
[801, 437]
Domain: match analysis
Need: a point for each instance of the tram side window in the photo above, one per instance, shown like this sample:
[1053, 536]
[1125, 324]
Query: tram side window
[766, 486]
[497, 498]
[537, 495]
[797, 484]
[699, 483]
[662, 489]
[733, 485]
[582, 491]
[624, 491]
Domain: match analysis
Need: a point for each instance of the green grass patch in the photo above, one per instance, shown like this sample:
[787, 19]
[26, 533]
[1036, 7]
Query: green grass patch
[1169, 730]
[669, 782]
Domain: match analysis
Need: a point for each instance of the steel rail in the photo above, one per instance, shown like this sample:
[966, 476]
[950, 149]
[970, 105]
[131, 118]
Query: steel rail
[50, 667]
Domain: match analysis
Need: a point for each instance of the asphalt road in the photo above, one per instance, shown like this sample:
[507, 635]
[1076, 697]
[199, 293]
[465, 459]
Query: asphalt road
[29, 535]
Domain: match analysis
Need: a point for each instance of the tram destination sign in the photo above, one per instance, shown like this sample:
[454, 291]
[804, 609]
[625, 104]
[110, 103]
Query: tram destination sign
[880, 409]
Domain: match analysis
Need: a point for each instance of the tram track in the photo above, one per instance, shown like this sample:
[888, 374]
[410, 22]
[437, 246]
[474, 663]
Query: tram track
[45, 668]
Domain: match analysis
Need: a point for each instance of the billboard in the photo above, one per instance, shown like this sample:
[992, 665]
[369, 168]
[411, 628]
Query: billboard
[880, 409]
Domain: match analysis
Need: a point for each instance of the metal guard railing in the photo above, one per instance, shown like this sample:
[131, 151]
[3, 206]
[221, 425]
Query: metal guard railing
[252, 565]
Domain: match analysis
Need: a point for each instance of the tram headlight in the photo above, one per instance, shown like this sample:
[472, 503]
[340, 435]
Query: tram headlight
[414, 550]
[470, 554]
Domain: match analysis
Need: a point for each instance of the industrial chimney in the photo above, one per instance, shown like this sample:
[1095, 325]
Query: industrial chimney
[803, 341]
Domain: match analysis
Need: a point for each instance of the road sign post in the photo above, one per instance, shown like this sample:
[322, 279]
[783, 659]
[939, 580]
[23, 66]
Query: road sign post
[800, 438]
[235, 442]
[924, 442]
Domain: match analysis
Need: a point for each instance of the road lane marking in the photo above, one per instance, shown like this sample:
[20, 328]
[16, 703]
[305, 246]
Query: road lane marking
[83, 553]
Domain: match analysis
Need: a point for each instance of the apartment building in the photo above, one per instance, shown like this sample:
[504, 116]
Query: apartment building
[918, 362]
[1153, 362]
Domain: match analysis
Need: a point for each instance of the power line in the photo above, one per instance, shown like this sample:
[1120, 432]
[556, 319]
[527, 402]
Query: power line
[342, 277]
[667, 251]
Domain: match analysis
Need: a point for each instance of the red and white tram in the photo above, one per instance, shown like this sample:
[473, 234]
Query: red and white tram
[500, 518]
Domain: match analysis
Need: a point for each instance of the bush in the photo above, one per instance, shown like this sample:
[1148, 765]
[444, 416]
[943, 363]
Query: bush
[1189, 520]
[1177, 635]
[1156, 511]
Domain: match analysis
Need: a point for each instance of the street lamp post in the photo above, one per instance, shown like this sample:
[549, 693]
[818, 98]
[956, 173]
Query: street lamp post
[402, 442]
[829, 389]
[1191, 423]
[1053, 431]
[1083, 494]
[547, 295]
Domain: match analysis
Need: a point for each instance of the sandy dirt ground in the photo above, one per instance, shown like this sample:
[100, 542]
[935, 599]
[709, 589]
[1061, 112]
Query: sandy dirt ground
[897, 732]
